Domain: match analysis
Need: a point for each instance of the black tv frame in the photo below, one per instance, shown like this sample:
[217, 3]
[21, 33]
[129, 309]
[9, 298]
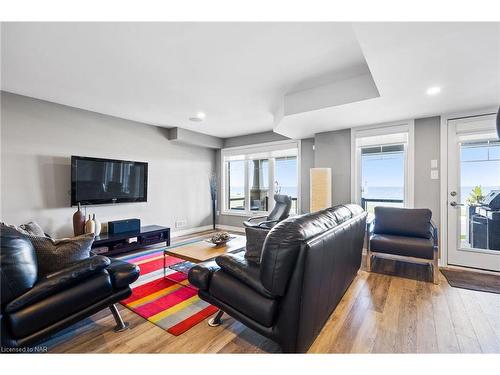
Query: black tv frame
[74, 202]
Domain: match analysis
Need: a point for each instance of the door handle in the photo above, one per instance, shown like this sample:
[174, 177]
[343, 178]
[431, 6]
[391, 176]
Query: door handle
[455, 204]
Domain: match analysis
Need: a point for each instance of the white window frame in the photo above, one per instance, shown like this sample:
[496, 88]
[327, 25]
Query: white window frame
[249, 149]
[381, 130]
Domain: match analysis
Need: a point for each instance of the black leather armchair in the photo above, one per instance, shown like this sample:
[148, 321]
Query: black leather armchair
[256, 231]
[281, 210]
[406, 234]
[34, 308]
[307, 264]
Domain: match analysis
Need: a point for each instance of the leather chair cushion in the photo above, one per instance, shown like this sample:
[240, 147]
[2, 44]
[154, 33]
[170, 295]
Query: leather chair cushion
[57, 281]
[201, 274]
[243, 298]
[122, 273]
[18, 265]
[400, 245]
[410, 222]
[255, 242]
[244, 270]
[60, 305]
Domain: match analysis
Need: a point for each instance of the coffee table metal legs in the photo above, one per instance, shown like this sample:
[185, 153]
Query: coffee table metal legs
[216, 320]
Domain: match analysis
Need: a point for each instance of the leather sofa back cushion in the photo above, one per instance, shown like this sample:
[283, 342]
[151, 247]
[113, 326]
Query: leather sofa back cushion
[284, 240]
[409, 222]
[54, 255]
[18, 264]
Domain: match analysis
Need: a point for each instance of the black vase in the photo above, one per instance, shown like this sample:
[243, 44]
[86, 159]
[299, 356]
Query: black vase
[214, 207]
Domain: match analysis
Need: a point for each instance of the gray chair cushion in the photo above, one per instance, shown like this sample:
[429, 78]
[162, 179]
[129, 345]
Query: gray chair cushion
[404, 246]
[411, 222]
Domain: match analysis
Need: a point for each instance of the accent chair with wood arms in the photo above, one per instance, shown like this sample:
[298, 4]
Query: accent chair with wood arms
[405, 234]
[33, 308]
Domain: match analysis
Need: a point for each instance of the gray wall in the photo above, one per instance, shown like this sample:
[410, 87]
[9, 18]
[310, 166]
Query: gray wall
[427, 145]
[333, 150]
[306, 163]
[38, 139]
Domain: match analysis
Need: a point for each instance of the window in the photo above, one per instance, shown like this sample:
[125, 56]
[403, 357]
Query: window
[236, 178]
[382, 166]
[252, 175]
[382, 176]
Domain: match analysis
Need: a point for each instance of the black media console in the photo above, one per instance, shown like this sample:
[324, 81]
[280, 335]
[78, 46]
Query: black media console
[123, 242]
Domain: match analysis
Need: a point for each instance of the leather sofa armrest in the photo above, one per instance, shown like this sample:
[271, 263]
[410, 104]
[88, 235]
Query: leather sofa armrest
[122, 273]
[201, 274]
[243, 270]
[57, 281]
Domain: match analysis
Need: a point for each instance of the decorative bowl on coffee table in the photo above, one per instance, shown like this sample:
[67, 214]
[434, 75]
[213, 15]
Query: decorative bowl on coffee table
[220, 238]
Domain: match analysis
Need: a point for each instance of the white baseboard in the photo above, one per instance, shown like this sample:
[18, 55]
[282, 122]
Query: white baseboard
[185, 232]
[231, 228]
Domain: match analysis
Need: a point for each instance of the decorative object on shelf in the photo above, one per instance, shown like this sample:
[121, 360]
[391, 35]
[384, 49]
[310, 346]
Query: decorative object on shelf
[90, 225]
[321, 188]
[213, 195]
[220, 238]
[78, 221]
[97, 224]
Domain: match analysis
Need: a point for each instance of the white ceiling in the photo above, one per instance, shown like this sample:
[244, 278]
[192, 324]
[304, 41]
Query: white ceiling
[239, 73]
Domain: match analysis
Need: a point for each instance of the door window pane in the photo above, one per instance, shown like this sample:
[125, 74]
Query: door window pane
[479, 175]
[287, 179]
[382, 176]
[236, 181]
[258, 181]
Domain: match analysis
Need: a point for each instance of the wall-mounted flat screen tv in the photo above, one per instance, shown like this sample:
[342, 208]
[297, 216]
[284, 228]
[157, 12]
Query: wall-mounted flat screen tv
[107, 181]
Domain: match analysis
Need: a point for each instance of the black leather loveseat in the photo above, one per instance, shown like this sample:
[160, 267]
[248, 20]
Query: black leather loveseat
[33, 308]
[307, 264]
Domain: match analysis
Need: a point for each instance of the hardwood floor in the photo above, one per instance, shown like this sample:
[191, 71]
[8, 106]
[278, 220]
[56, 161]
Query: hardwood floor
[392, 310]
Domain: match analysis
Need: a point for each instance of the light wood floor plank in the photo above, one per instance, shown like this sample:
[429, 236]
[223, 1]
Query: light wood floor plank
[393, 310]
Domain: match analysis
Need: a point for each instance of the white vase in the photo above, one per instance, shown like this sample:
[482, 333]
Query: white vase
[90, 226]
[97, 229]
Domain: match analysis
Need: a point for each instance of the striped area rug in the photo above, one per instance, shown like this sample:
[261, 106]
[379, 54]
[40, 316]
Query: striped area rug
[171, 302]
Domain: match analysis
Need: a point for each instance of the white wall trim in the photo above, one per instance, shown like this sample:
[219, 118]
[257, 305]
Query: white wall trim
[231, 228]
[443, 230]
[380, 129]
[184, 232]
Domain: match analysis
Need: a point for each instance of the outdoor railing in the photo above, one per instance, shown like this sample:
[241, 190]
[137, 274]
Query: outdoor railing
[369, 204]
[239, 204]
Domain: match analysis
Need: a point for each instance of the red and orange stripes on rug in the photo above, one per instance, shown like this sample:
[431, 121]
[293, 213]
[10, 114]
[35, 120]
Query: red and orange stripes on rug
[170, 303]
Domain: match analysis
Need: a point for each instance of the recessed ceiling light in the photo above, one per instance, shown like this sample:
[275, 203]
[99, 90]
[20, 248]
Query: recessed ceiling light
[200, 116]
[433, 90]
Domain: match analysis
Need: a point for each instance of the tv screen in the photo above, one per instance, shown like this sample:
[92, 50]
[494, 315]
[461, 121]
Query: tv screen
[105, 181]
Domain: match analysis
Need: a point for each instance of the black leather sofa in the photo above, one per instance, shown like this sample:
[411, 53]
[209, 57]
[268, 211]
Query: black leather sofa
[33, 308]
[307, 264]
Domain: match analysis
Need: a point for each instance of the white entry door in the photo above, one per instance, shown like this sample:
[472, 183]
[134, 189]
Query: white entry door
[473, 173]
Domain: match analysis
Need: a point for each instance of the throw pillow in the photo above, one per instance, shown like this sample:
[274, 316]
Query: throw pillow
[54, 255]
[32, 228]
